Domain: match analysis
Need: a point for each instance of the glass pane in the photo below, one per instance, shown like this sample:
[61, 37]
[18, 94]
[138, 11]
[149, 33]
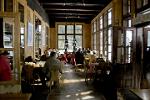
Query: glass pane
[129, 23]
[101, 42]
[128, 38]
[22, 37]
[109, 48]
[38, 36]
[139, 3]
[101, 22]
[8, 33]
[61, 29]
[109, 17]
[78, 41]
[94, 41]
[94, 27]
[61, 41]
[8, 5]
[109, 57]
[105, 20]
[148, 39]
[22, 42]
[69, 29]
[47, 32]
[129, 6]
[105, 41]
[78, 29]
[70, 43]
[145, 2]
[109, 36]
[21, 10]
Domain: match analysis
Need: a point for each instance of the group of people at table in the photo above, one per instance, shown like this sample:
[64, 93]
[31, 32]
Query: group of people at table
[54, 62]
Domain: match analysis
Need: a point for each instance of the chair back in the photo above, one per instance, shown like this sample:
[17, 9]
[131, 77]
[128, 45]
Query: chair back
[29, 73]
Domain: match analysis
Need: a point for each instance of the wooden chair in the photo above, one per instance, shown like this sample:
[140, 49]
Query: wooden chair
[28, 73]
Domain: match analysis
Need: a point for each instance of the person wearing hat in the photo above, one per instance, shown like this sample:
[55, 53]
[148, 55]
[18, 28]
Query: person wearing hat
[5, 69]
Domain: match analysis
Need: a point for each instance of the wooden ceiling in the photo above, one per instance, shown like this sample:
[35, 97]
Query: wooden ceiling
[73, 10]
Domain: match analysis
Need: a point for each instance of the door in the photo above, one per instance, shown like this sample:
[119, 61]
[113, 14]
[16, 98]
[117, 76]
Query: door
[10, 40]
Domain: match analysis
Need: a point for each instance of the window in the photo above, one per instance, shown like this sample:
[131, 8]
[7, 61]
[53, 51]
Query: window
[61, 29]
[129, 6]
[94, 41]
[139, 3]
[148, 39]
[21, 10]
[105, 43]
[110, 44]
[105, 21]
[94, 34]
[70, 29]
[78, 41]
[101, 42]
[94, 28]
[69, 37]
[38, 34]
[120, 47]
[8, 35]
[47, 32]
[22, 37]
[129, 22]
[145, 2]
[101, 22]
[8, 5]
[128, 45]
[109, 16]
[78, 29]
[61, 41]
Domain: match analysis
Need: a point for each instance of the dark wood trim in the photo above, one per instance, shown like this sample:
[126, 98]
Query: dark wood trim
[138, 10]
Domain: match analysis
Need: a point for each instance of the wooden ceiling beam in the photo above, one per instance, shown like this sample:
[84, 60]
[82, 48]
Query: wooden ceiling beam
[73, 4]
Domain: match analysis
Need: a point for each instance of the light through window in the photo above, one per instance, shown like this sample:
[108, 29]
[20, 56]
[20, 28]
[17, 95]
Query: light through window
[69, 37]
[109, 16]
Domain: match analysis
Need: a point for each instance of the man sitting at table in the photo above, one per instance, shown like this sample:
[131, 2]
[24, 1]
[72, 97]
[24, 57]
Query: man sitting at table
[53, 67]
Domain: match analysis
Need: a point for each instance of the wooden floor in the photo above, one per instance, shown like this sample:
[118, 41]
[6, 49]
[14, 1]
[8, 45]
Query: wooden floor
[73, 87]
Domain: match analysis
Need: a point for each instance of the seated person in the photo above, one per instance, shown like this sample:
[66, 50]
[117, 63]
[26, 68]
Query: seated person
[44, 56]
[29, 59]
[5, 69]
[24, 67]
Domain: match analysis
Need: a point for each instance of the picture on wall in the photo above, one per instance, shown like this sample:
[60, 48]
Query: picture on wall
[30, 34]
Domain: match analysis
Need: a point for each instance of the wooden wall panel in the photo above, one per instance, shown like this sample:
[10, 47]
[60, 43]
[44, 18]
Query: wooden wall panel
[53, 38]
[87, 36]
